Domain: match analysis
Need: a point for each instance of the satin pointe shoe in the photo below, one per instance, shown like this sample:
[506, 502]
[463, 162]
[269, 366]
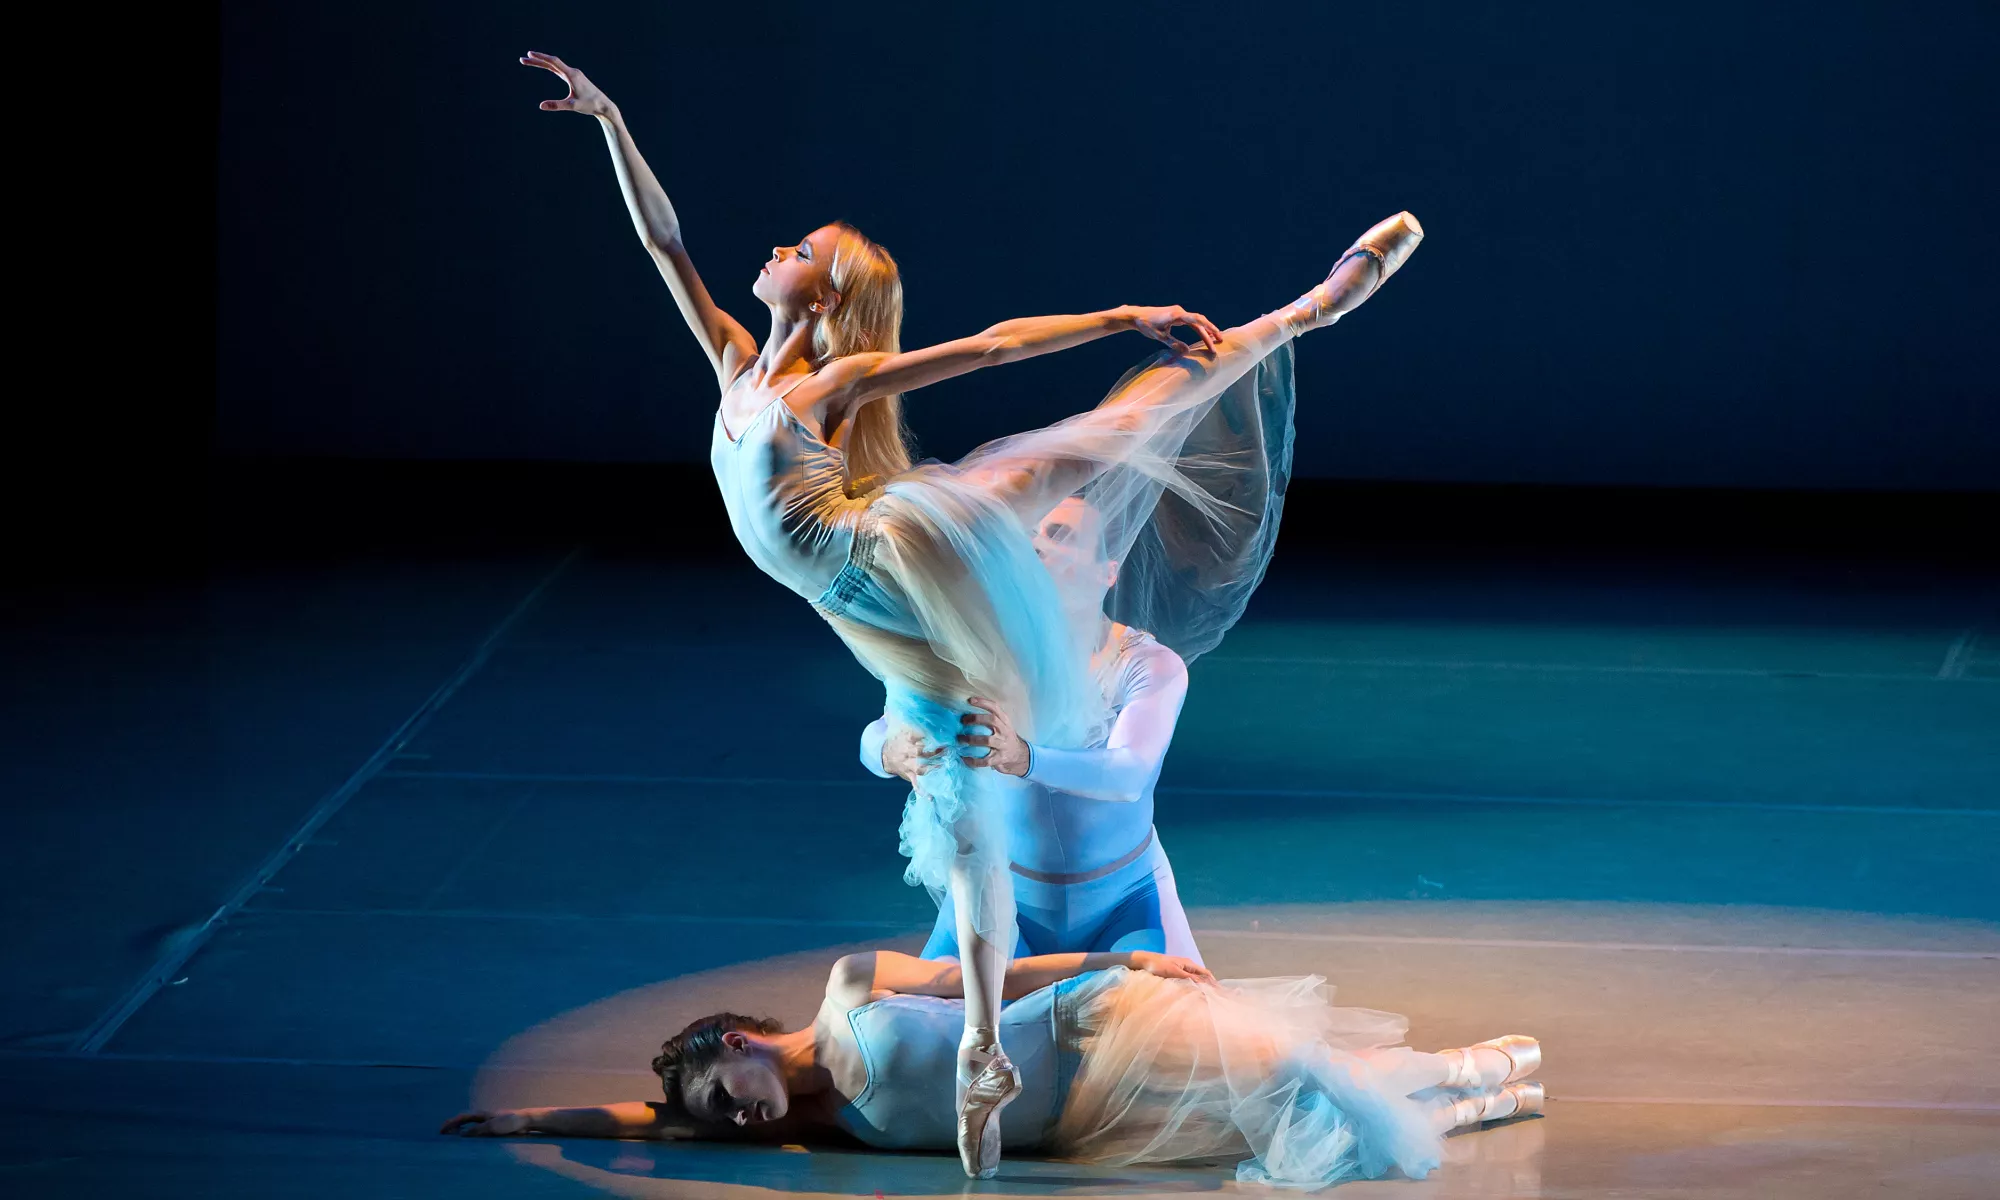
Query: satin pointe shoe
[994, 1084]
[1390, 243]
[1523, 1054]
[1514, 1100]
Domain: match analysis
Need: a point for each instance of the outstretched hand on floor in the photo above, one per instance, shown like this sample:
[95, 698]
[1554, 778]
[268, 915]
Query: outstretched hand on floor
[499, 1123]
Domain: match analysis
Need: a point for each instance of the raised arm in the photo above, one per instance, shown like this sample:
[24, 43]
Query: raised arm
[860, 378]
[728, 344]
[858, 978]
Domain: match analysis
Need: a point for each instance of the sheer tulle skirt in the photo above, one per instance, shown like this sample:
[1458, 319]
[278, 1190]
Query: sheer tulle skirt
[1185, 461]
[1172, 1070]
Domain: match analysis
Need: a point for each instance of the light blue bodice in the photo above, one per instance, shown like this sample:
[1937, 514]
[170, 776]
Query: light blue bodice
[785, 490]
[910, 1045]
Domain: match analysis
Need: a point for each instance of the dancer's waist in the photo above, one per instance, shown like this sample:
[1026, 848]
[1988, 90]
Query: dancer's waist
[1130, 858]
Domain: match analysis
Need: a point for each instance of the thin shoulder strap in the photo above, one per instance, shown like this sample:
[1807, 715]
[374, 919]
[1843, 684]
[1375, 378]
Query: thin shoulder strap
[796, 382]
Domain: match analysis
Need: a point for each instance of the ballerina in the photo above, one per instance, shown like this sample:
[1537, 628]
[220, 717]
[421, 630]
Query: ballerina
[927, 572]
[1090, 871]
[1137, 1057]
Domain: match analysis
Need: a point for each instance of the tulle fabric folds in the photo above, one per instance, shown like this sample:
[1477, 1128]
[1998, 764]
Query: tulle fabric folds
[1172, 1071]
[1185, 464]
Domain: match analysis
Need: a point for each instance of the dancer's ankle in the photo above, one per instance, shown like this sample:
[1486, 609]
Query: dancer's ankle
[979, 1039]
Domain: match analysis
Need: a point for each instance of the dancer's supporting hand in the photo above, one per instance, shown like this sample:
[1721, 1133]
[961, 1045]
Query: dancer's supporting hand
[584, 96]
[1160, 323]
[1170, 966]
[1006, 752]
[903, 754]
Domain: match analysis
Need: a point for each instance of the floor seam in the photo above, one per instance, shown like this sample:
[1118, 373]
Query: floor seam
[1168, 789]
[1959, 656]
[101, 1030]
[1992, 955]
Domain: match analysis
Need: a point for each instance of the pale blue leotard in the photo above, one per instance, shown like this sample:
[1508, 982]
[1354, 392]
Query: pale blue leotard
[785, 491]
[910, 1046]
[1123, 1068]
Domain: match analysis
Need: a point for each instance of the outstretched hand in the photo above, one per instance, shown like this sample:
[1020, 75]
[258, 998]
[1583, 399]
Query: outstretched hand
[584, 96]
[498, 1123]
[1160, 323]
[1170, 966]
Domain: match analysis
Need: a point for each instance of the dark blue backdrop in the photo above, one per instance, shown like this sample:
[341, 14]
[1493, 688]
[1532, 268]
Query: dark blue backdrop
[1740, 244]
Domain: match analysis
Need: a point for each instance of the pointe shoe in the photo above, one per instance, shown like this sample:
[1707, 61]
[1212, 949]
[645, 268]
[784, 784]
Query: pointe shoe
[1390, 243]
[994, 1084]
[1524, 1057]
[1514, 1100]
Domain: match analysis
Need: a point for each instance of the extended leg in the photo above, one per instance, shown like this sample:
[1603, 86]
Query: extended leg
[1155, 406]
[983, 896]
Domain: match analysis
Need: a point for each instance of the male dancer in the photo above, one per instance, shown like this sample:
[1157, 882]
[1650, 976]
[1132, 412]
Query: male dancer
[1089, 871]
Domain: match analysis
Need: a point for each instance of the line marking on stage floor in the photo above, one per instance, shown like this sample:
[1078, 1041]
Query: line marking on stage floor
[1419, 664]
[1596, 668]
[1894, 810]
[1580, 801]
[100, 1031]
[914, 928]
[1960, 654]
[1652, 947]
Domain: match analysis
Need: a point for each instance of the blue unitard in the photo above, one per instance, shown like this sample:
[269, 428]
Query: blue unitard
[1089, 871]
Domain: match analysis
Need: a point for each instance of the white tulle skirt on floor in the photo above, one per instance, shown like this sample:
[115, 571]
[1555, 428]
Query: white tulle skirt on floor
[1268, 1070]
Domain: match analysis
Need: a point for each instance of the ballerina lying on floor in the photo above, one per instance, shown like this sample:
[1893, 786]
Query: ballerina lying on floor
[1129, 1057]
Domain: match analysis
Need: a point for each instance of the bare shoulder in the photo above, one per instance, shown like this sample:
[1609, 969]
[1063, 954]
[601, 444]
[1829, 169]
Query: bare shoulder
[850, 983]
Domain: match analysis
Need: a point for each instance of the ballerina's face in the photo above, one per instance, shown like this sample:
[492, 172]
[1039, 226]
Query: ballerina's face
[1070, 542]
[742, 1088]
[797, 276]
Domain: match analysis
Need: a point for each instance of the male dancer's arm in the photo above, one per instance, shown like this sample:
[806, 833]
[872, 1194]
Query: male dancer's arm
[1154, 686]
[873, 737]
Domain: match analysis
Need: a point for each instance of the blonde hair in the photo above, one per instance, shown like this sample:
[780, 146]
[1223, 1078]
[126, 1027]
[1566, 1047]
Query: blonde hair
[868, 318]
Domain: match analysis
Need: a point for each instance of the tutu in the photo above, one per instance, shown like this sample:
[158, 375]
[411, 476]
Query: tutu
[1171, 1070]
[943, 596]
